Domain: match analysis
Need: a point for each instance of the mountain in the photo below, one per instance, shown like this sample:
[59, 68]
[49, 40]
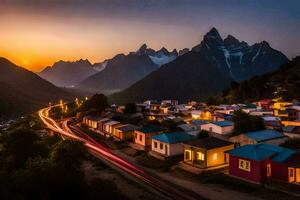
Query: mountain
[283, 83]
[67, 74]
[123, 70]
[239, 59]
[24, 92]
[205, 70]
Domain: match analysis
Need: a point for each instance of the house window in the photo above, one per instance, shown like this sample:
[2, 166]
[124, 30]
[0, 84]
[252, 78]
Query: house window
[155, 144]
[210, 129]
[187, 155]
[135, 135]
[244, 165]
[141, 138]
[269, 169]
[291, 174]
[215, 156]
[161, 146]
[200, 156]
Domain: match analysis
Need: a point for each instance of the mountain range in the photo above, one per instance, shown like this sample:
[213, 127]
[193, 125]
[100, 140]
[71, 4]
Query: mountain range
[69, 74]
[123, 70]
[23, 91]
[205, 70]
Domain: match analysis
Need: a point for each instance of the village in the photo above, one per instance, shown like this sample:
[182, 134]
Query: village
[257, 143]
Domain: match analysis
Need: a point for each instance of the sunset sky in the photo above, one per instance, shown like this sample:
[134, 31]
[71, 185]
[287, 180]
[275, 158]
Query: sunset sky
[36, 33]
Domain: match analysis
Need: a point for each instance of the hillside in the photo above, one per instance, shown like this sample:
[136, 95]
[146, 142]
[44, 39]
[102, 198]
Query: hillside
[283, 83]
[186, 78]
[23, 92]
[67, 74]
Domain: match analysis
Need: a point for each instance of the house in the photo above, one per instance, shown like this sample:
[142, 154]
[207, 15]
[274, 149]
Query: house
[91, 121]
[108, 126]
[272, 122]
[220, 127]
[293, 113]
[189, 128]
[142, 136]
[267, 136]
[218, 116]
[101, 123]
[201, 114]
[291, 131]
[255, 163]
[205, 154]
[266, 104]
[125, 132]
[279, 109]
[286, 169]
[169, 144]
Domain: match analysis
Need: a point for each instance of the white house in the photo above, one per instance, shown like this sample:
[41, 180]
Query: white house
[169, 144]
[108, 126]
[220, 127]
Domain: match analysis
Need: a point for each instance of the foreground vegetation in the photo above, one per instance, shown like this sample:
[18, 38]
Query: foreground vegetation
[34, 165]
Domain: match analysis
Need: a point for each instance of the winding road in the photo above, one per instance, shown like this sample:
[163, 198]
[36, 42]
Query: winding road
[106, 155]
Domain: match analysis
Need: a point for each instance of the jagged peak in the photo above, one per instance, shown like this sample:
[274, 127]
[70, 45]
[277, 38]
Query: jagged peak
[231, 40]
[213, 33]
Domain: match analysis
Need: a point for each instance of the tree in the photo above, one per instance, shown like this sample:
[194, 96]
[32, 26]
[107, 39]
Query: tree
[98, 103]
[202, 134]
[244, 122]
[130, 108]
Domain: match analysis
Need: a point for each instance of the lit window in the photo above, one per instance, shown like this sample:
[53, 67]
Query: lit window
[244, 165]
[215, 156]
[187, 155]
[269, 169]
[200, 156]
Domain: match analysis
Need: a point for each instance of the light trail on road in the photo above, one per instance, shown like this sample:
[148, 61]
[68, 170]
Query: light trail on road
[103, 153]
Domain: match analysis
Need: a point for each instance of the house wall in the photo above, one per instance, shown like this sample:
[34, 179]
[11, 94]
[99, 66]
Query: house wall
[164, 150]
[128, 135]
[292, 135]
[242, 140]
[277, 141]
[194, 161]
[279, 171]
[256, 173]
[217, 129]
[216, 156]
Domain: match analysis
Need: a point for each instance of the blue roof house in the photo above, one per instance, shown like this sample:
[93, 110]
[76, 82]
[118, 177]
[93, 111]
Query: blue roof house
[169, 144]
[267, 136]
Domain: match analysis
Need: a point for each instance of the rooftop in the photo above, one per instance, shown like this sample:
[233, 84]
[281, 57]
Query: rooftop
[151, 129]
[261, 152]
[176, 137]
[263, 135]
[223, 123]
[127, 127]
[208, 143]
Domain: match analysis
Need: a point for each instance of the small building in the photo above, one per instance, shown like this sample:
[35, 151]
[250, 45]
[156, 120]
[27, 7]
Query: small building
[254, 163]
[205, 154]
[101, 123]
[267, 136]
[291, 131]
[125, 132]
[201, 114]
[293, 113]
[108, 126]
[266, 104]
[169, 144]
[142, 136]
[279, 109]
[91, 121]
[220, 127]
